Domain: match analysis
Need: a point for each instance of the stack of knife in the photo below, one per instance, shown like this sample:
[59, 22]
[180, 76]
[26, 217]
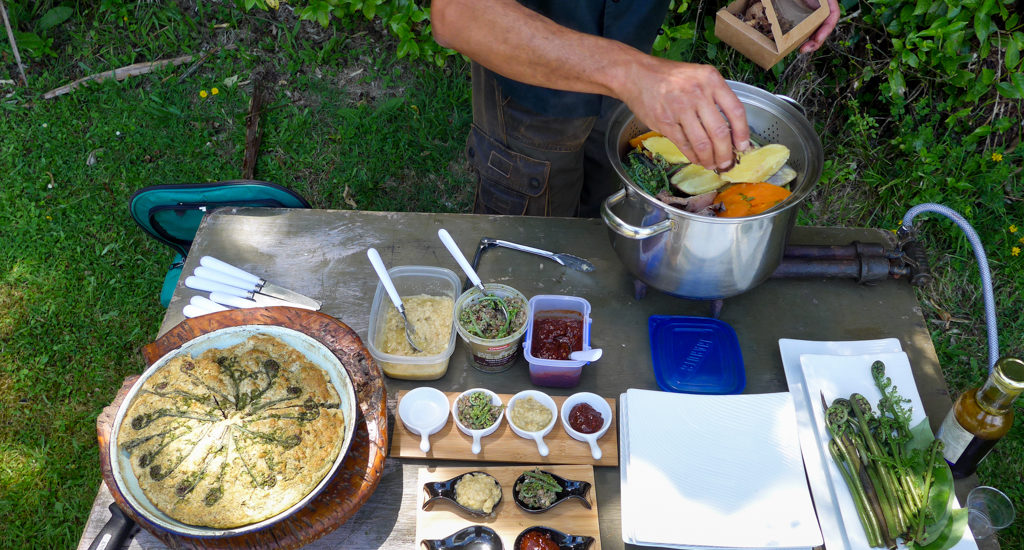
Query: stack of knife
[233, 288]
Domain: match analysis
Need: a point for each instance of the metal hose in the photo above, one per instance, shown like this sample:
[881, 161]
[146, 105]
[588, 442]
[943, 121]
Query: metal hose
[979, 256]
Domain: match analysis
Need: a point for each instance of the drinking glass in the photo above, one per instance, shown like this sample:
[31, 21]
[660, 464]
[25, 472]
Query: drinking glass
[989, 510]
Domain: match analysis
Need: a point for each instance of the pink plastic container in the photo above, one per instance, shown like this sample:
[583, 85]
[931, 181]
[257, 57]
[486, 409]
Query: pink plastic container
[550, 372]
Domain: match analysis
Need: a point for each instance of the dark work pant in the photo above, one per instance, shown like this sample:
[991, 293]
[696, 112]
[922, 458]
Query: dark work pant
[530, 164]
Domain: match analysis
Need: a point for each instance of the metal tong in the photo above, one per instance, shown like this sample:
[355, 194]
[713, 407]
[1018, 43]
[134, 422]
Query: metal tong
[567, 260]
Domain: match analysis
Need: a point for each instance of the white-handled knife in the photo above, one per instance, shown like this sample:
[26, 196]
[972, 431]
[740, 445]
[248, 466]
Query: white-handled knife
[261, 300]
[232, 301]
[257, 284]
[200, 305]
[209, 305]
[192, 311]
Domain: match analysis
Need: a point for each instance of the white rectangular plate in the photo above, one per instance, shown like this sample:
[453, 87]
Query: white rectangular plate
[839, 376]
[814, 461]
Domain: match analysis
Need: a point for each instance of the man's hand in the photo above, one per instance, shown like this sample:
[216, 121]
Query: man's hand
[691, 105]
[819, 36]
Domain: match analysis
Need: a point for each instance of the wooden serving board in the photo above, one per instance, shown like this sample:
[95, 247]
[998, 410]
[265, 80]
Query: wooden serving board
[504, 445]
[571, 516]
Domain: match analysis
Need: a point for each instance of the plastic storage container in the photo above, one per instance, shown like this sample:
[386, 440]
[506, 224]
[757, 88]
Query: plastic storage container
[696, 355]
[551, 372]
[490, 355]
[412, 280]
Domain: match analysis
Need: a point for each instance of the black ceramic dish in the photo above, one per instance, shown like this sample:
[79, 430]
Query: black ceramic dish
[445, 490]
[564, 542]
[476, 537]
[570, 488]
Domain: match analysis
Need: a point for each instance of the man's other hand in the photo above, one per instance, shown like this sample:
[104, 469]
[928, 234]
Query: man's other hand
[819, 36]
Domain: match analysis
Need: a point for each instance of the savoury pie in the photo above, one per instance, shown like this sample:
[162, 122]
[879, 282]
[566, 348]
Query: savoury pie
[233, 436]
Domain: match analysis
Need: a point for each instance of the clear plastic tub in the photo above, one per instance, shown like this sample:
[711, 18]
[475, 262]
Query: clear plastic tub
[412, 280]
[551, 372]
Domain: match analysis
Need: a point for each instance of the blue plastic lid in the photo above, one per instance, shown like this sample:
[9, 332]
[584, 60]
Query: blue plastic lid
[696, 355]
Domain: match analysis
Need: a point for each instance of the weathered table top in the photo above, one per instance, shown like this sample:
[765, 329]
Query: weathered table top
[322, 253]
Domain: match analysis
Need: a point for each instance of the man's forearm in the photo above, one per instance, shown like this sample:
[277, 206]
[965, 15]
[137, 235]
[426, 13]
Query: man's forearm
[525, 46]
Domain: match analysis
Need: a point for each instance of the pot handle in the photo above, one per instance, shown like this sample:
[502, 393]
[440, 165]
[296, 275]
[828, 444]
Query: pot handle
[796, 104]
[622, 228]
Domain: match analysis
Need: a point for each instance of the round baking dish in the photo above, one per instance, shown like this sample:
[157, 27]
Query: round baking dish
[314, 351]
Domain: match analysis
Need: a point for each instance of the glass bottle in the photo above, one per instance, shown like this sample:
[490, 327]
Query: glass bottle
[981, 417]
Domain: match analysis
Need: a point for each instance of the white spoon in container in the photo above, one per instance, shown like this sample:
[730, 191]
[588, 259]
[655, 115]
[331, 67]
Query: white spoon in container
[460, 259]
[389, 286]
[587, 355]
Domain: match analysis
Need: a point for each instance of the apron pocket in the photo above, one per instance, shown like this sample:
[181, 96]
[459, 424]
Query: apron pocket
[509, 182]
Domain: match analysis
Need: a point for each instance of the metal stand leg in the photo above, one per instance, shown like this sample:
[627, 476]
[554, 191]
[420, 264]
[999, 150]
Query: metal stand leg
[716, 307]
[639, 289]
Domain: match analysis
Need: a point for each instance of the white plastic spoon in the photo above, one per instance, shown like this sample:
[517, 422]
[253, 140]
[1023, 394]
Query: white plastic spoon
[586, 355]
[460, 259]
[389, 286]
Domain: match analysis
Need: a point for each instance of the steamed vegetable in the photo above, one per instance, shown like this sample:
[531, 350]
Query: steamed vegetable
[748, 199]
[660, 145]
[694, 179]
[757, 165]
[638, 140]
[649, 173]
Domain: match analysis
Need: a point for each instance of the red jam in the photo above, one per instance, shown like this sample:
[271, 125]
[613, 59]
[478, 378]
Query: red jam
[537, 540]
[585, 419]
[557, 337]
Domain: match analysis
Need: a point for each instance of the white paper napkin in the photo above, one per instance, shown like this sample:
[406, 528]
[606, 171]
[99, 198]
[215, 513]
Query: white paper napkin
[720, 471]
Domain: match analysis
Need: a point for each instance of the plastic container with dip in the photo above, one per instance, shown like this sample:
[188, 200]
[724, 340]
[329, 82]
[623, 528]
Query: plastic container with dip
[412, 280]
[495, 355]
[553, 372]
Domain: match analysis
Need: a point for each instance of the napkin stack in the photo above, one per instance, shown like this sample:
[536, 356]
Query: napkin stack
[713, 471]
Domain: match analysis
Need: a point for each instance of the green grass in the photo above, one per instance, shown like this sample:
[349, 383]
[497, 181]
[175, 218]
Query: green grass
[350, 127]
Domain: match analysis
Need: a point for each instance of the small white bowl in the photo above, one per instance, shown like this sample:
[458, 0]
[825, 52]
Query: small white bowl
[477, 434]
[424, 411]
[599, 405]
[538, 435]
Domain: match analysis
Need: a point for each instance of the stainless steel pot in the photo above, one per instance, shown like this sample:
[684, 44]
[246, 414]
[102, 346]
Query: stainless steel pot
[701, 257]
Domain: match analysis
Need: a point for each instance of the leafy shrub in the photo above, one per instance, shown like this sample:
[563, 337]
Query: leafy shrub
[32, 23]
[406, 20]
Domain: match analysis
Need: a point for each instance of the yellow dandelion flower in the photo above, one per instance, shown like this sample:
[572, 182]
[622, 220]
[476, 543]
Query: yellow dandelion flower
[997, 157]
[51, 219]
[203, 94]
[1013, 228]
[1015, 251]
[214, 91]
[1021, 240]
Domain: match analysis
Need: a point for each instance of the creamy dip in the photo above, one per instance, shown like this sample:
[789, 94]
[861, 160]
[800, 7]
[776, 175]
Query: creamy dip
[431, 317]
[478, 492]
[529, 414]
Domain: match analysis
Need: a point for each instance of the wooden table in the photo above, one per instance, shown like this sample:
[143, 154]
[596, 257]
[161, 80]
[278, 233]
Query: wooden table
[322, 253]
